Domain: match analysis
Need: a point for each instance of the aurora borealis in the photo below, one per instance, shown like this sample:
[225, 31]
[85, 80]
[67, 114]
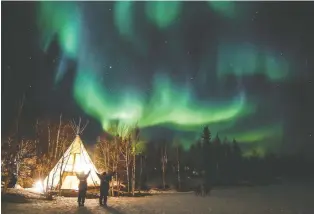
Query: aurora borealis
[178, 66]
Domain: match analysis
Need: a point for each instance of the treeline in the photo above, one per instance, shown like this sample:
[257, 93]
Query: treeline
[143, 165]
[211, 161]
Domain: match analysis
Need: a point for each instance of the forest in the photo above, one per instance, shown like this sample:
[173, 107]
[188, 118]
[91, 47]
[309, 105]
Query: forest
[143, 165]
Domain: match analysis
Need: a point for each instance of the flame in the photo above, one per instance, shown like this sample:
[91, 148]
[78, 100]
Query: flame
[39, 187]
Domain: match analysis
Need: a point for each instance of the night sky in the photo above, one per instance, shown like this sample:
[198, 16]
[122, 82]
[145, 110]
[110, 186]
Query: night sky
[244, 69]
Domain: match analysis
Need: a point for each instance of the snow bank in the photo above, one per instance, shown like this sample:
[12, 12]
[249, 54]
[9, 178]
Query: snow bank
[27, 193]
[19, 195]
[284, 199]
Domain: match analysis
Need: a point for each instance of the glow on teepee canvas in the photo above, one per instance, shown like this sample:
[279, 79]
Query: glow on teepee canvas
[74, 160]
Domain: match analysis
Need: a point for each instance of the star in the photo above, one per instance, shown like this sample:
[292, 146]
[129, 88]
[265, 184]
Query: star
[30, 57]
[110, 66]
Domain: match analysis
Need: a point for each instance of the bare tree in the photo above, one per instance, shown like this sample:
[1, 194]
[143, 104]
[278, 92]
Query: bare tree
[164, 161]
[113, 153]
[133, 166]
[178, 167]
[140, 153]
[118, 152]
[63, 159]
[25, 161]
[125, 151]
[114, 160]
[37, 133]
[7, 161]
[17, 130]
[138, 148]
[135, 139]
[58, 138]
[43, 168]
[18, 117]
[102, 155]
[50, 149]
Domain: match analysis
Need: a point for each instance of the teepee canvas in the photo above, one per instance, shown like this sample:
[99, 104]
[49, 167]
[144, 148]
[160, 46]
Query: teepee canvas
[74, 160]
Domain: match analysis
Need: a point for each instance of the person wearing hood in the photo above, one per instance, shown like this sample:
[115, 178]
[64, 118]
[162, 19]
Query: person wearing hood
[104, 187]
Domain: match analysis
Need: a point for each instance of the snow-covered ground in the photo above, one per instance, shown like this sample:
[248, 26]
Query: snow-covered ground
[282, 199]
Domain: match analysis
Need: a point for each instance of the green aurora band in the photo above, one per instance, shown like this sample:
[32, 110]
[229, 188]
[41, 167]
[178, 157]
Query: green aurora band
[168, 103]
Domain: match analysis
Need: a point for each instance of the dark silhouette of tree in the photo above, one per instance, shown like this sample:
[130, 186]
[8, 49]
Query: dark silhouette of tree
[236, 161]
[226, 161]
[216, 158]
[206, 135]
[206, 153]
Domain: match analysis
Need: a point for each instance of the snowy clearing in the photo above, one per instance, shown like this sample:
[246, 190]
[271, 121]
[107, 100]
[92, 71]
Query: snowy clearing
[286, 199]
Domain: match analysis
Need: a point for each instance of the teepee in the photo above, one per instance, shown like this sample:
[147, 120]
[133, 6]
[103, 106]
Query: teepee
[74, 160]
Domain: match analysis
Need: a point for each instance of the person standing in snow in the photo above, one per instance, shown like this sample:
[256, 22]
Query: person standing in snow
[104, 187]
[82, 187]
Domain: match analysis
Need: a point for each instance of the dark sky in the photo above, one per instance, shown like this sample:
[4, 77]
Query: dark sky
[244, 69]
[26, 69]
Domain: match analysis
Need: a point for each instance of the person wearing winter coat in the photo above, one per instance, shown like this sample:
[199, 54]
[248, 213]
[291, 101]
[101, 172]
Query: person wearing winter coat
[104, 187]
[82, 187]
